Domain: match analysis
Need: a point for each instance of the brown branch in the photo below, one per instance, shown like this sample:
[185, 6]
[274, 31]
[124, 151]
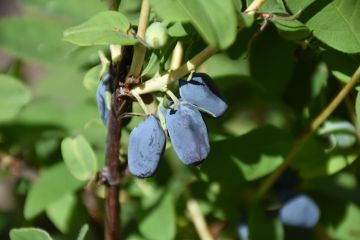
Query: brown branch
[118, 106]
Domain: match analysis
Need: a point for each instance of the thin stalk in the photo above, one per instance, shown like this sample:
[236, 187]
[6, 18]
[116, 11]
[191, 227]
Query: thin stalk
[140, 49]
[266, 185]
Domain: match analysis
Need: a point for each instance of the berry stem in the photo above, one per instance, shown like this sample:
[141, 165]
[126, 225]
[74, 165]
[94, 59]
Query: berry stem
[266, 185]
[159, 83]
[140, 49]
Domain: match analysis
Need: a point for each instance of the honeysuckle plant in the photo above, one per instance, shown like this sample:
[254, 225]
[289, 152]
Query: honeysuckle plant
[179, 119]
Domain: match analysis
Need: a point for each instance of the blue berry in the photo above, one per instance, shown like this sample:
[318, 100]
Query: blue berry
[202, 92]
[146, 146]
[101, 98]
[299, 211]
[188, 133]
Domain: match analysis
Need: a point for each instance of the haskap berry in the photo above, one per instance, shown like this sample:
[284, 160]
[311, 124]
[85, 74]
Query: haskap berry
[146, 146]
[188, 133]
[299, 211]
[101, 98]
[202, 92]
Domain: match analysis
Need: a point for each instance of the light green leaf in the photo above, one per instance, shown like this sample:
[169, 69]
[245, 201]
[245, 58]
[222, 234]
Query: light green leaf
[79, 157]
[25, 38]
[53, 183]
[84, 229]
[215, 21]
[13, 96]
[292, 30]
[348, 227]
[29, 234]
[60, 212]
[257, 153]
[108, 27]
[357, 108]
[160, 223]
[92, 78]
[337, 25]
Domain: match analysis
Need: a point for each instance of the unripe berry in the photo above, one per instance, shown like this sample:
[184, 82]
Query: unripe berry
[156, 35]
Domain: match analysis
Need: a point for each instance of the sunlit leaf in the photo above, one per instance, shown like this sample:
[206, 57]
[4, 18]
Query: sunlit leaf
[13, 96]
[108, 27]
[79, 157]
[29, 234]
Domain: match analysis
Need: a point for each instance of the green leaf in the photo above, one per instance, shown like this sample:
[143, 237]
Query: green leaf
[313, 161]
[53, 183]
[160, 223]
[292, 29]
[348, 227]
[108, 27]
[337, 25]
[341, 65]
[29, 234]
[92, 78]
[271, 228]
[13, 96]
[60, 212]
[257, 153]
[272, 75]
[25, 37]
[84, 229]
[215, 21]
[79, 157]
[357, 108]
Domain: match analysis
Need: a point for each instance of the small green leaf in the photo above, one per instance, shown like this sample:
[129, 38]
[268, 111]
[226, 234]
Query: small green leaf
[215, 21]
[29, 234]
[357, 108]
[160, 223]
[92, 78]
[337, 25]
[53, 183]
[13, 96]
[79, 157]
[108, 27]
[60, 212]
[84, 229]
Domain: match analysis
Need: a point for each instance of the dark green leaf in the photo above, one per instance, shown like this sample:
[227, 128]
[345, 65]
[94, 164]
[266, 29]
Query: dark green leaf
[256, 154]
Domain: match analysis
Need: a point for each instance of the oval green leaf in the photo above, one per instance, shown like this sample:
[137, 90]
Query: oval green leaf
[29, 234]
[53, 183]
[338, 25]
[160, 223]
[108, 27]
[79, 157]
[13, 96]
[61, 211]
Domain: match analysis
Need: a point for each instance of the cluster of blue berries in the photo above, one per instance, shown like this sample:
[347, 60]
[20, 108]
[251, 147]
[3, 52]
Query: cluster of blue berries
[184, 124]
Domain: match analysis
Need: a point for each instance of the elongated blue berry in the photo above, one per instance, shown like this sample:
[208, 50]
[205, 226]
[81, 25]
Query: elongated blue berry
[188, 133]
[146, 146]
[202, 92]
[101, 98]
[299, 211]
